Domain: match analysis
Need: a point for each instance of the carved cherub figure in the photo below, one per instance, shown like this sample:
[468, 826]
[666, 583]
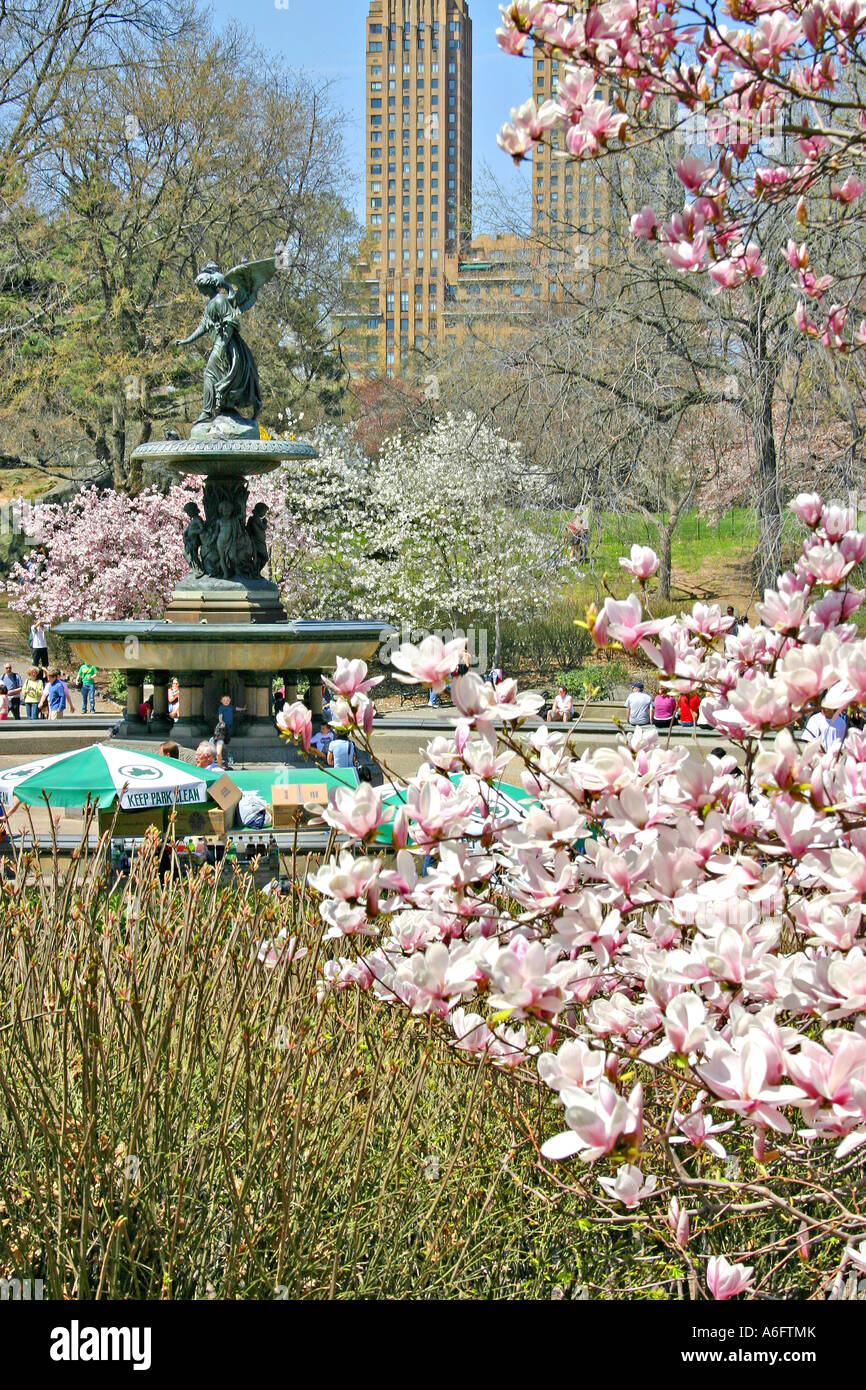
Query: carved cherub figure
[193, 537]
[257, 532]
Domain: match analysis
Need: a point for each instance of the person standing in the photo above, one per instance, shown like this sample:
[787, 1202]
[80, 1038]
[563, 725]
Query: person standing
[54, 696]
[87, 681]
[39, 643]
[32, 692]
[221, 736]
[70, 703]
[735, 625]
[11, 683]
[638, 705]
[4, 704]
[226, 711]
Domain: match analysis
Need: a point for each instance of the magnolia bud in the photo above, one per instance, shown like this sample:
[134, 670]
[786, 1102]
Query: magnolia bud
[400, 828]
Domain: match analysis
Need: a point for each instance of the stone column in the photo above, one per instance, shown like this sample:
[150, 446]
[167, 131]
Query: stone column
[188, 725]
[316, 695]
[160, 724]
[259, 724]
[290, 681]
[134, 696]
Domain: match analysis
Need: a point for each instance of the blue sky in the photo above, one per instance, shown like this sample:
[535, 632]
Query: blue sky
[499, 82]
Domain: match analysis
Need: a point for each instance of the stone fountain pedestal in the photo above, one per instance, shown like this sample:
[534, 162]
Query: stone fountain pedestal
[223, 633]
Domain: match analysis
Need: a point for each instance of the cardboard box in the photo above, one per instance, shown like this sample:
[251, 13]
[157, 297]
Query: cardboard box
[205, 819]
[289, 799]
[131, 825]
[226, 794]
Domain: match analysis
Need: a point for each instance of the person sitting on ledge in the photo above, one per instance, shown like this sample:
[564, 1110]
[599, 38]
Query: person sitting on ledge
[638, 704]
[562, 708]
[323, 739]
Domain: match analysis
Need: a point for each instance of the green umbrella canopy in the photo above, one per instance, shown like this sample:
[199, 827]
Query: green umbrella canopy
[102, 774]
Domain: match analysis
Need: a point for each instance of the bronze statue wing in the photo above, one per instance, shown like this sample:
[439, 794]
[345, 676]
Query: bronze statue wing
[248, 279]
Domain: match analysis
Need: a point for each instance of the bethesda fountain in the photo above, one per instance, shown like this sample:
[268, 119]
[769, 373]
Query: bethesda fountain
[225, 630]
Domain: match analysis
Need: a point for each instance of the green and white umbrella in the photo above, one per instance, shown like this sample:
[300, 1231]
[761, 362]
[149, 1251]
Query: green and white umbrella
[102, 774]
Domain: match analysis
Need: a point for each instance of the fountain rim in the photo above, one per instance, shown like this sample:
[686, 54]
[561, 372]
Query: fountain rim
[177, 450]
[345, 628]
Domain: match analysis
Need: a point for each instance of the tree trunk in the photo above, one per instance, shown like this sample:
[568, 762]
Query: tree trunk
[768, 556]
[117, 442]
[497, 649]
[666, 537]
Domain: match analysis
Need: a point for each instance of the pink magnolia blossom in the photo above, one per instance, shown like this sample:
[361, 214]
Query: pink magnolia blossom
[629, 1186]
[807, 506]
[296, 721]
[726, 1280]
[642, 562]
[350, 678]
[679, 1221]
[598, 1122]
[357, 812]
[431, 663]
[848, 191]
[644, 224]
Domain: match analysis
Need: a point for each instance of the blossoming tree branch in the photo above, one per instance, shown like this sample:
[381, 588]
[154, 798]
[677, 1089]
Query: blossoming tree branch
[783, 76]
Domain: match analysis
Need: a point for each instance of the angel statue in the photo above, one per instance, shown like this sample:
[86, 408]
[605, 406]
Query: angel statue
[231, 380]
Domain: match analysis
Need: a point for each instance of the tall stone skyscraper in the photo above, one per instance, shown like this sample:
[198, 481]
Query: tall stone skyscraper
[419, 168]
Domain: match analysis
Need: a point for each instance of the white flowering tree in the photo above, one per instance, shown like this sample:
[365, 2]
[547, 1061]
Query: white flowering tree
[461, 516]
[442, 529]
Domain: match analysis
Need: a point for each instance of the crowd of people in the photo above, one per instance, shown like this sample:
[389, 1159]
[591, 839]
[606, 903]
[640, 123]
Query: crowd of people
[663, 711]
[44, 691]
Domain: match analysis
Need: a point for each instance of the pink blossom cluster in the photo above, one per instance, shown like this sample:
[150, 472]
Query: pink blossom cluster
[677, 947]
[109, 556]
[783, 66]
